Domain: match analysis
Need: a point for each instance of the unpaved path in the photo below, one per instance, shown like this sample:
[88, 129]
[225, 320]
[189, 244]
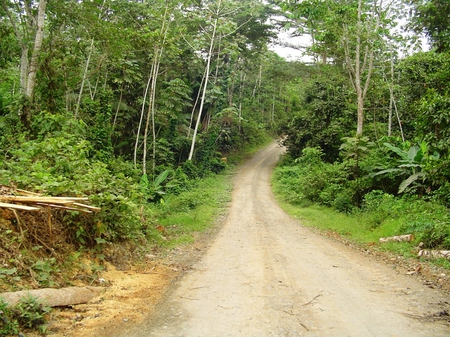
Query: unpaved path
[266, 275]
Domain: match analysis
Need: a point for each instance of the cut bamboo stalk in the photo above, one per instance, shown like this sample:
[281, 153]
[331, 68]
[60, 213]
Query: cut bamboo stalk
[93, 208]
[19, 207]
[32, 200]
[72, 198]
[28, 193]
[64, 207]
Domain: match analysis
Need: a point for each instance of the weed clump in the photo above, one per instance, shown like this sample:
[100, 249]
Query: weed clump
[29, 314]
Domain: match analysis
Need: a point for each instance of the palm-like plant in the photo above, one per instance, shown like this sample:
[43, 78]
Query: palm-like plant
[411, 163]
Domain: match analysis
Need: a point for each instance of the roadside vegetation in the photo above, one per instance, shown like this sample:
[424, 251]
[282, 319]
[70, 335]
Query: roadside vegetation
[393, 179]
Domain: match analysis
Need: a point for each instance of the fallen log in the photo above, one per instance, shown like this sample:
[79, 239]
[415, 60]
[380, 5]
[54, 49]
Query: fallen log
[434, 254]
[398, 238]
[54, 297]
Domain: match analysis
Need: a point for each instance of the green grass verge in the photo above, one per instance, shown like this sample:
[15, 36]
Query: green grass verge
[180, 218]
[355, 227]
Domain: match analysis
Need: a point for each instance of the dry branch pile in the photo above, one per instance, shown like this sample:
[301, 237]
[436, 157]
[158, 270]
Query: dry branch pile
[17, 199]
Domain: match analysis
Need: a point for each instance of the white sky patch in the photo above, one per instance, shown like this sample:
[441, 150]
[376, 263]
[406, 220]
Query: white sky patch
[292, 48]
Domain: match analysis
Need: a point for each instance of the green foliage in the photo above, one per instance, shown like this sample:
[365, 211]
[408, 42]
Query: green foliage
[98, 115]
[155, 190]
[312, 180]
[184, 215]
[8, 323]
[411, 163]
[431, 16]
[326, 117]
[43, 269]
[28, 314]
[308, 181]
[434, 234]
[56, 125]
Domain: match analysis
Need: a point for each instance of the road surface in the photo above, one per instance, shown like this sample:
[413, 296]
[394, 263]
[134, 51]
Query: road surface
[267, 275]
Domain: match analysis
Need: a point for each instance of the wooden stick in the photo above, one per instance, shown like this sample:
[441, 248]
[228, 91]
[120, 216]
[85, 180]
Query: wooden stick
[64, 207]
[22, 236]
[20, 207]
[49, 221]
[27, 192]
[33, 200]
[312, 300]
[93, 208]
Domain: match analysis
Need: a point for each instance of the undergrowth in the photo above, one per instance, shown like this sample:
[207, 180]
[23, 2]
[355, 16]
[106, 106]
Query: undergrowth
[323, 195]
[29, 314]
[178, 218]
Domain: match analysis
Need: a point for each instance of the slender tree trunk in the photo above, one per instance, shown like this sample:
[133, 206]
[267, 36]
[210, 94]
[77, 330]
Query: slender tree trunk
[359, 95]
[205, 85]
[33, 30]
[136, 143]
[241, 89]
[391, 95]
[399, 121]
[24, 70]
[195, 104]
[83, 80]
[34, 62]
[152, 97]
[118, 108]
[361, 66]
[86, 68]
[258, 80]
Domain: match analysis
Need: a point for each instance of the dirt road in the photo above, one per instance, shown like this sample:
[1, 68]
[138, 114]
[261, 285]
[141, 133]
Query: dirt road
[266, 275]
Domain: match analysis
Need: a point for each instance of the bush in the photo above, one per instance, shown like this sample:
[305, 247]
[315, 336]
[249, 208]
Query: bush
[310, 179]
[434, 234]
[378, 207]
[61, 166]
[29, 313]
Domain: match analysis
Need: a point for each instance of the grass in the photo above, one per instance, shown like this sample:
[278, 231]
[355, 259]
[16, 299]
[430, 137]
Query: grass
[357, 227]
[182, 217]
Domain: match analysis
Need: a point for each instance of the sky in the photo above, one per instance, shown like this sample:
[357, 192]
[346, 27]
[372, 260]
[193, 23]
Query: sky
[288, 53]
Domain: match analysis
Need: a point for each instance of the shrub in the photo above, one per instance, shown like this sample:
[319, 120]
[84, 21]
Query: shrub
[29, 313]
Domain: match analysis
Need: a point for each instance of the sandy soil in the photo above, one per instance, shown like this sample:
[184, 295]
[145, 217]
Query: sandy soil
[263, 275]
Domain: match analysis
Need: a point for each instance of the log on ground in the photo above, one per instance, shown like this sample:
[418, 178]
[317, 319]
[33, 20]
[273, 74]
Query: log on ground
[398, 238]
[54, 297]
[434, 254]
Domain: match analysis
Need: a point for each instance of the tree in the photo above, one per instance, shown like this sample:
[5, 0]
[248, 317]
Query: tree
[325, 117]
[432, 17]
[27, 22]
[224, 39]
[359, 61]
[353, 33]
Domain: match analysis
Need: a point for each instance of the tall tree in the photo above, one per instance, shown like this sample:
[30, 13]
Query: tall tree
[27, 19]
